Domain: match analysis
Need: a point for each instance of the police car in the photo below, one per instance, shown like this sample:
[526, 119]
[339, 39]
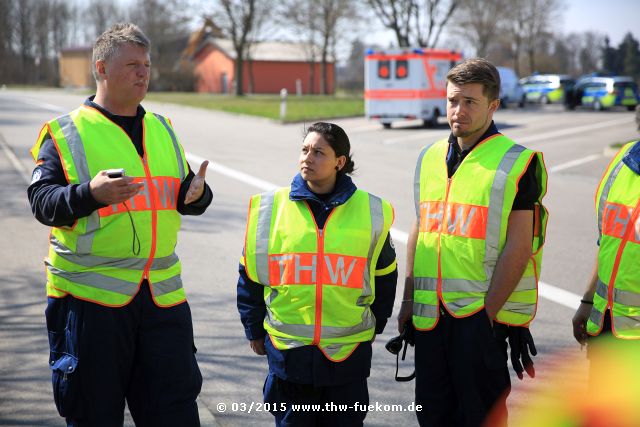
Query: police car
[545, 88]
[601, 93]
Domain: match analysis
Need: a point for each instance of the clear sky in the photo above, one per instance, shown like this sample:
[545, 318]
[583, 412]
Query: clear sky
[614, 18]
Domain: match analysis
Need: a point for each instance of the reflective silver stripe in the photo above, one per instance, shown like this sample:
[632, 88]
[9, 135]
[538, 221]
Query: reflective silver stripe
[167, 286]
[176, 146]
[416, 180]
[425, 283]
[462, 285]
[605, 194]
[96, 280]
[160, 263]
[461, 303]
[74, 142]
[595, 316]
[602, 290]
[377, 225]
[626, 323]
[425, 310]
[519, 307]
[496, 204]
[262, 237]
[526, 283]
[626, 297]
[291, 343]
[308, 331]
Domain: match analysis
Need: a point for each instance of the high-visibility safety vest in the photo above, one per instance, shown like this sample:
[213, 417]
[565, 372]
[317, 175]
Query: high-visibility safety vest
[462, 230]
[319, 284]
[618, 286]
[97, 258]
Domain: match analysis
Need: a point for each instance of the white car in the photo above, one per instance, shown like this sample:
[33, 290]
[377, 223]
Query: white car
[511, 91]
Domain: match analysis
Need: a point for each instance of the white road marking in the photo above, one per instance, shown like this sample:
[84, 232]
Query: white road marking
[576, 162]
[569, 131]
[17, 164]
[550, 292]
[43, 105]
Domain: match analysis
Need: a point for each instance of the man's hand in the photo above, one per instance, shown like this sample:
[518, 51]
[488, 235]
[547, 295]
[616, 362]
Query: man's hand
[405, 315]
[111, 191]
[580, 323]
[258, 346]
[520, 344]
[197, 184]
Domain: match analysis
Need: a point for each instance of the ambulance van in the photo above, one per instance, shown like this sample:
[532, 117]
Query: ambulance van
[407, 84]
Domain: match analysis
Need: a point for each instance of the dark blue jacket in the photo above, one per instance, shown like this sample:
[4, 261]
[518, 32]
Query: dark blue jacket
[632, 158]
[56, 203]
[308, 365]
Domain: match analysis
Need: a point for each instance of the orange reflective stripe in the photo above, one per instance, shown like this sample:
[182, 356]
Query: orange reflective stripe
[615, 220]
[459, 219]
[304, 269]
[404, 94]
[164, 196]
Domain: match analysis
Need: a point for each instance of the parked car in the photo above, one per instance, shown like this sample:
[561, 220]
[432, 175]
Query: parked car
[545, 88]
[601, 93]
[511, 91]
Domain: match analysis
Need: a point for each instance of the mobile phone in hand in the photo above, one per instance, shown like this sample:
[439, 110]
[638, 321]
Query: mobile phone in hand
[115, 173]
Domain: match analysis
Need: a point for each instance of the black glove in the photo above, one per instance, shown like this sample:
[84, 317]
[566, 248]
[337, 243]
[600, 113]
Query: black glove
[521, 345]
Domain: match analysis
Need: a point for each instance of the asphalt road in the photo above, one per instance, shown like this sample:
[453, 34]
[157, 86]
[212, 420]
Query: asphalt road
[249, 155]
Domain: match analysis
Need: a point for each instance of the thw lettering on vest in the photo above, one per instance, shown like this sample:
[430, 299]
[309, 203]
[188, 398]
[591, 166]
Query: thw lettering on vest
[453, 218]
[616, 218]
[163, 195]
[304, 269]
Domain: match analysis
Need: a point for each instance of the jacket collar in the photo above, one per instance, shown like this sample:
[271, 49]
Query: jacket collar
[343, 190]
[632, 158]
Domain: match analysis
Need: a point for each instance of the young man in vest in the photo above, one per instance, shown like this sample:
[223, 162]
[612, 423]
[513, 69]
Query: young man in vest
[118, 321]
[610, 306]
[473, 256]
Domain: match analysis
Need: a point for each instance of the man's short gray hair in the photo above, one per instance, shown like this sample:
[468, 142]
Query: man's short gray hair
[108, 43]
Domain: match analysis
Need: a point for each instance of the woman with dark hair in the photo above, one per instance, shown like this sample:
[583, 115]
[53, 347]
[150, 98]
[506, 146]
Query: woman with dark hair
[318, 278]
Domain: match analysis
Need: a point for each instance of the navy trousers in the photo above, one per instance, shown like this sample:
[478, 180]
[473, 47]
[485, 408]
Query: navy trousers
[461, 372]
[100, 356]
[304, 405]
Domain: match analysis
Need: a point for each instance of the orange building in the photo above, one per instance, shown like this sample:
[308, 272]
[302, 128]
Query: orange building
[273, 66]
[75, 67]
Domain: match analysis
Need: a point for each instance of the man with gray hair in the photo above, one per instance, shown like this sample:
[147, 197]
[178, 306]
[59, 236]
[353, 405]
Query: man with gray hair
[111, 179]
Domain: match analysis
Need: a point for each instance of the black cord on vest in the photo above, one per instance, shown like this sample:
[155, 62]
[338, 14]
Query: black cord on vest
[136, 239]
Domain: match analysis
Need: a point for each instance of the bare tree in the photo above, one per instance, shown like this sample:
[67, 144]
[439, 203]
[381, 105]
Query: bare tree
[395, 15]
[6, 39]
[24, 36]
[480, 22]
[418, 22]
[101, 15]
[429, 23]
[332, 12]
[239, 20]
[540, 14]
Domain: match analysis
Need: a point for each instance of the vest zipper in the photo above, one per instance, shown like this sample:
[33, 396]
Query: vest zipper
[318, 329]
[616, 264]
[442, 222]
[154, 217]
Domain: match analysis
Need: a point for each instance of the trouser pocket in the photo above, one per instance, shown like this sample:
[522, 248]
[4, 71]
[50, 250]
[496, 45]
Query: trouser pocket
[64, 325]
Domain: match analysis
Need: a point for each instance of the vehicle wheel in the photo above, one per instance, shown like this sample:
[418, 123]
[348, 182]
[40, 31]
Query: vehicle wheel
[523, 102]
[544, 100]
[503, 103]
[597, 105]
[433, 121]
[386, 125]
[631, 107]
